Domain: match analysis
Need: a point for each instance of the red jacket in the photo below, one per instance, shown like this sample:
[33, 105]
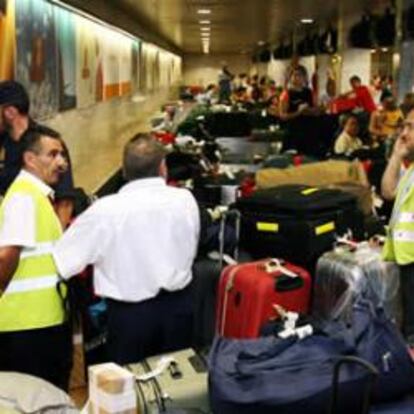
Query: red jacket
[364, 99]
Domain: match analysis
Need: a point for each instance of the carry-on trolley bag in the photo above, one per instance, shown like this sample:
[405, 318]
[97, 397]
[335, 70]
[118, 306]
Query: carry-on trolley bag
[352, 271]
[248, 294]
[296, 222]
[172, 383]
[206, 276]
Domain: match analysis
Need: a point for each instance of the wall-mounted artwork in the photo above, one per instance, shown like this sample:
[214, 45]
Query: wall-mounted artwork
[110, 43]
[135, 65]
[88, 76]
[7, 37]
[36, 64]
[66, 52]
[125, 68]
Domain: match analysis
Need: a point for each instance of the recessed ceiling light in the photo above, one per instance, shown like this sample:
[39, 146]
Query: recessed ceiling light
[205, 29]
[261, 42]
[306, 21]
[204, 21]
[203, 11]
[384, 49]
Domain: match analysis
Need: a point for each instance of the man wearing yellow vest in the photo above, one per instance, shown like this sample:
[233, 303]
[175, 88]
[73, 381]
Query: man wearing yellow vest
[398, 185]
[34, 337]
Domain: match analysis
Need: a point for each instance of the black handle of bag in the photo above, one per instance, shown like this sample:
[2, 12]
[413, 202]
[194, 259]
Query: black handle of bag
[287, 283]
[373, 374]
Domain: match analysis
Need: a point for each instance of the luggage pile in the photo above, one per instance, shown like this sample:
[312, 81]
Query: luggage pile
[291, 297]
[313, 298]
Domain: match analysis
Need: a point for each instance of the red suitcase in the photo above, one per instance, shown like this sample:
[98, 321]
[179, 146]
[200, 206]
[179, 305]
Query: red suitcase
[248, 291]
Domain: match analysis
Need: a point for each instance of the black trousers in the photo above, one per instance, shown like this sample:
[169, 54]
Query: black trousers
[44, 353]
[407, 289]
[138, 330]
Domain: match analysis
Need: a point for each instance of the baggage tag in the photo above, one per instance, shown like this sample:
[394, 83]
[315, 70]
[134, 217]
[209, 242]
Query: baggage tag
[274, 265]
[290, 320]
[228, 173]
[163, 364]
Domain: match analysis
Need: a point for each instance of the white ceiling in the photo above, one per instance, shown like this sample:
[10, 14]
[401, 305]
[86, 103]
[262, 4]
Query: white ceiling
[236, 25]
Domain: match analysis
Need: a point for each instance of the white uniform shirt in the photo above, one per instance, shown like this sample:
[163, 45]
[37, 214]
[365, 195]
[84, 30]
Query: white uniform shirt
[19, 224]
[140, 240]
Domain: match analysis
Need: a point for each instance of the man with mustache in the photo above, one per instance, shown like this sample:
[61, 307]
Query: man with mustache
[14, 123]
[34, 337]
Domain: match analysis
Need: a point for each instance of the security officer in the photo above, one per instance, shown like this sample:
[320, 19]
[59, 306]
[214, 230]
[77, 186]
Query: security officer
[33, 336]
[398, 184]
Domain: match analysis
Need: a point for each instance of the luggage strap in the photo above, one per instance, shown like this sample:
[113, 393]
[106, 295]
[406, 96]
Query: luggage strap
[228, 288]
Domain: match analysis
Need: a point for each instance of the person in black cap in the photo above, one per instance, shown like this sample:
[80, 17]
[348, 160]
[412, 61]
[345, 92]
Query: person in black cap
[14, 123]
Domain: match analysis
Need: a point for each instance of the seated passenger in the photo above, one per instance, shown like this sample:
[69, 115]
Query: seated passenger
[386, 121]
[348, 141]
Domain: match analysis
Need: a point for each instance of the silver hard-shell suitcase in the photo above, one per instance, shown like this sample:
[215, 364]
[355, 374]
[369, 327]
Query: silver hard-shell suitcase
[350, 272]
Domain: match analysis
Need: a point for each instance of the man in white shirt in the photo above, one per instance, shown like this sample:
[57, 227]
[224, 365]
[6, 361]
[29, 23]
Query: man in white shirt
[34, 337]
[142, 242]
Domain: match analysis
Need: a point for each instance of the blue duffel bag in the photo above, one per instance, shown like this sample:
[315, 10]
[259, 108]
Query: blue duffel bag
[292, 376]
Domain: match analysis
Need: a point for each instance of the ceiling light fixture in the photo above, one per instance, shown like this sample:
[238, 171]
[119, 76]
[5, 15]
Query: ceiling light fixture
[306, 21]
[261, 42]
[203, 11]
[205, 29]
[204, 21]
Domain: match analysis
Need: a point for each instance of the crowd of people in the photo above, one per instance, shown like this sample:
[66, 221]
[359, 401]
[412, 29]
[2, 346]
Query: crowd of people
[299, 96]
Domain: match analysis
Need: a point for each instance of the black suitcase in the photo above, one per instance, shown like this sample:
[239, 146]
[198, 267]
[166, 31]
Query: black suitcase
[296, 222]
[211, 191]
[228, 124]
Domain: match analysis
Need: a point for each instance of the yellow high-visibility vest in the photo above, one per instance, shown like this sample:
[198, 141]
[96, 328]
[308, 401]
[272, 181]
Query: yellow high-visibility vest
[399, 244]
[31, 300]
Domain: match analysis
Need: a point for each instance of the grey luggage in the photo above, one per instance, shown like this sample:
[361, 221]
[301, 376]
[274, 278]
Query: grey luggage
[175, 382]
[243, 150]
[268, 135]
[354, 271]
